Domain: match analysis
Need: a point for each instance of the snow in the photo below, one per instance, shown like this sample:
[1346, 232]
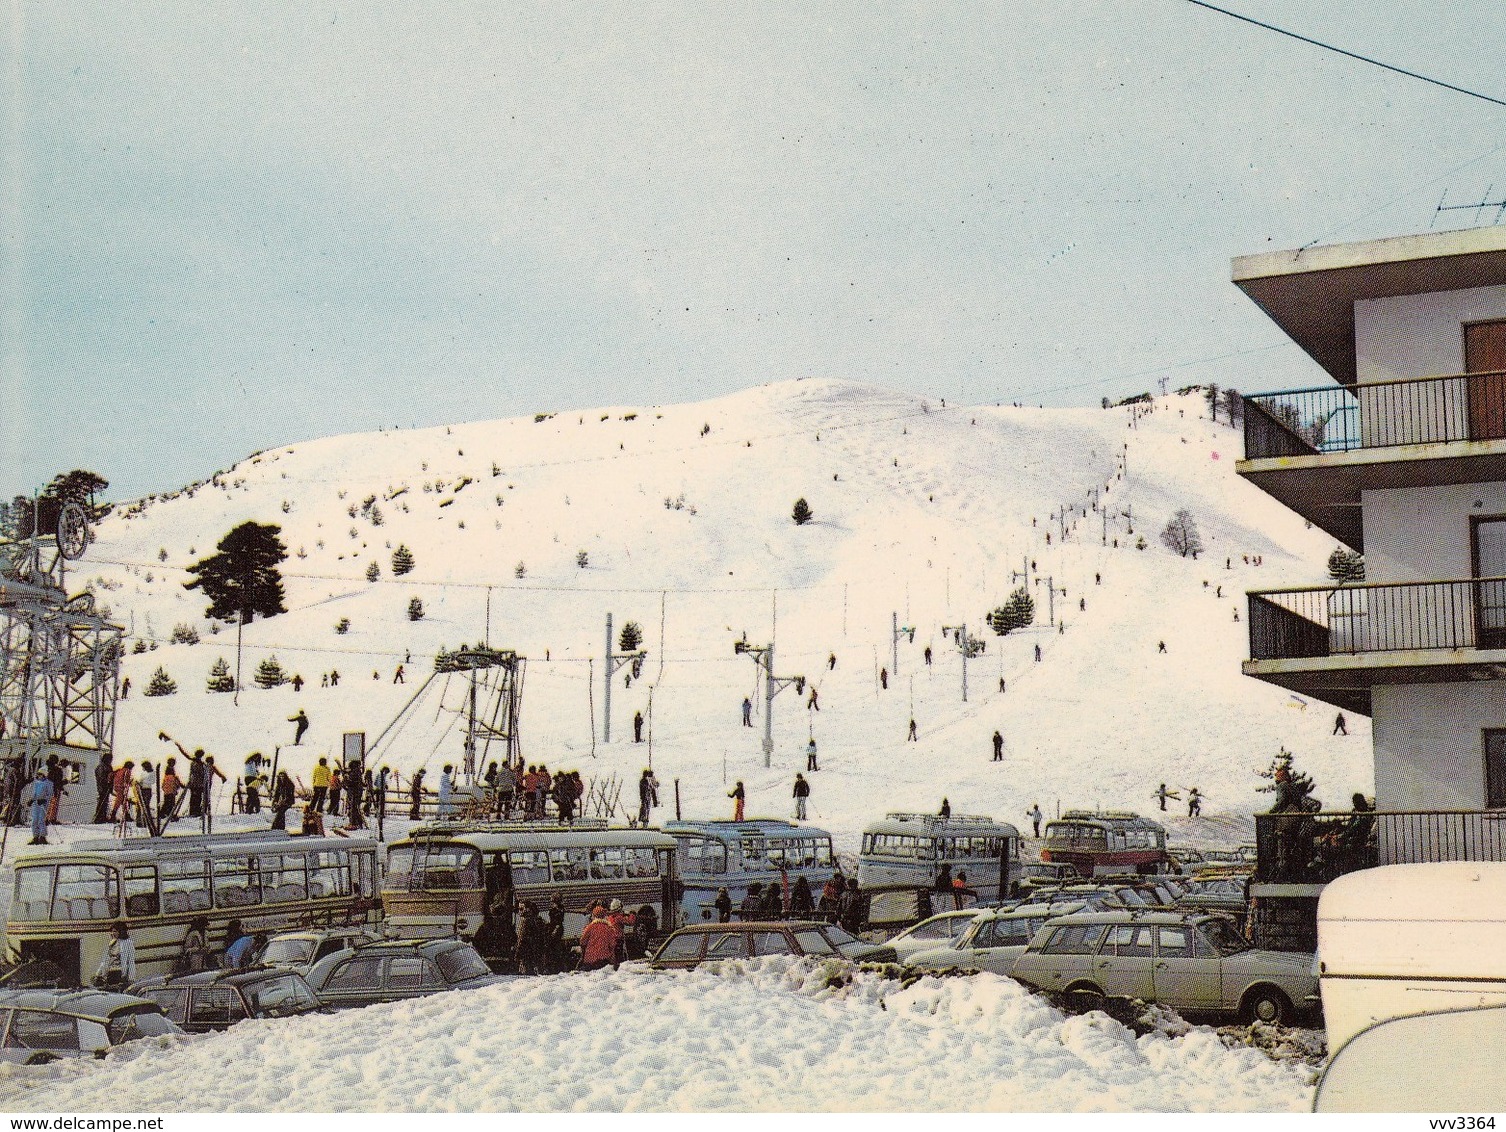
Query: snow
[768, 1034]
[931, 512]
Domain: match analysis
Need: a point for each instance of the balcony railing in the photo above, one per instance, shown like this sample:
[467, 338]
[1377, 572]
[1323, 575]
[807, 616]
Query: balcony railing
[1427, 410]
[1315, 848]
[1377, 617]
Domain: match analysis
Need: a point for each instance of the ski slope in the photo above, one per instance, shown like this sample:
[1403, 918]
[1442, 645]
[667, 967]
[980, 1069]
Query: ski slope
[924, 513]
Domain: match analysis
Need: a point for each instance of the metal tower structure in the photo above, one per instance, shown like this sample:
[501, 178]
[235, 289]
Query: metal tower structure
[494, 700]
[59, 659]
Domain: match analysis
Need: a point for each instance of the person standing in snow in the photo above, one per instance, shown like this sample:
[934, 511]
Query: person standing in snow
[336, 784]
[884, 678]
[723, 906]
[1340, 725]
[283, 799]
[810, 755]
[912, 738]
[946, 809]
[813, 701]
[801, 793]
[752, 906]
[831, 662]
[802, 905]
[320, 779]
[645, 796]
[637, 727]
[1037, 654]
[301, 721]
[747, 712]
[998, 747]
[1194, 803]
[850, 907]
[1035, 815]
[397, 676]
[446, 789]
[1162, 794]
[354, 785]
[117, 969]
[738, 796]
[927, 655]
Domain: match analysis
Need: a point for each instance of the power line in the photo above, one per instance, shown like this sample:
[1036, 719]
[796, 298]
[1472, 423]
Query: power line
[1349, 54]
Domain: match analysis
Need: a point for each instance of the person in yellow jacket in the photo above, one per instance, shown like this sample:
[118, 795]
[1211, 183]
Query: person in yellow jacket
[321, 783]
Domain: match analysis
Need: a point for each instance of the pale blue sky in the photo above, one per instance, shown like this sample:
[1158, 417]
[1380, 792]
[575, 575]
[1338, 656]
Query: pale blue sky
[227, 227]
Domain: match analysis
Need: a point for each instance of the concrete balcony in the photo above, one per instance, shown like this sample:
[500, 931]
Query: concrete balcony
[1316, 449]
[1336, 642]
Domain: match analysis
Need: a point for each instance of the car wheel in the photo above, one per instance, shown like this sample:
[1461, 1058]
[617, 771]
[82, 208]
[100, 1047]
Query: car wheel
[1267, 1004]
[1083, 997]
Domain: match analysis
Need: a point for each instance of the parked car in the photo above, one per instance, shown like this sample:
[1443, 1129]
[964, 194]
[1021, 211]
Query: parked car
[695, 944]
[1215, 894]
[41, 1025]
[993, 942]
[889, 908]
[216, 1000]
[938, 931]
[300, 950]
[1038, 874]
[395, 969]
[1193, 963]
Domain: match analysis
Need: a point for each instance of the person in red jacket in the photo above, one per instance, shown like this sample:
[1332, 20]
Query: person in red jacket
[598, 942]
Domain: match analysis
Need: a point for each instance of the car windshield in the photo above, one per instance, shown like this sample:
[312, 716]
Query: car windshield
[288, 952]
[1224, 938]
[461, 963]
[276, 998]
[841, 939]
[127, 1026]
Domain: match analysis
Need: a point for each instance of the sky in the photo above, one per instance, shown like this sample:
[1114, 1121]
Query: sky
[229, 227]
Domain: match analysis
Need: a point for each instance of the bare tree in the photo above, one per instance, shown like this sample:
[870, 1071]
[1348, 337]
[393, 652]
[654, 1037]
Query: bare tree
[1180, 534]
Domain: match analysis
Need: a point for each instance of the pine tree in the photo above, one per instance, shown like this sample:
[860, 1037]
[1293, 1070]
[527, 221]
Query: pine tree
[520, 571]
[342, 626]
[241, 580]
[161, 684]
[415, 610]
[220, 679]
[582, 559]
[402, 561]
[1292, 787]
[802, 513]
[373, 572]
[185, 634]
[1346, 565]
[631, 637]
[269, 673]
[1181, 535]
[1015, 613]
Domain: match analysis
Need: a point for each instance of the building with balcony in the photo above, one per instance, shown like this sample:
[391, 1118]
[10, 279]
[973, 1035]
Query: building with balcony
[1402, 457]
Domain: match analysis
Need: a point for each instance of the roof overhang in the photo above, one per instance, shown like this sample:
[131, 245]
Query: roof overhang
[1310, 292]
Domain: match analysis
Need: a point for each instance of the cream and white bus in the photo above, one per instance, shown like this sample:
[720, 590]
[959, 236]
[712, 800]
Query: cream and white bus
[64, 903]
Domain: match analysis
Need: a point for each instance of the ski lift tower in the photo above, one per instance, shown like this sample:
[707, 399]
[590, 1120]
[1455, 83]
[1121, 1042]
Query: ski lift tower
[763, 656]
[59, 659]
[494, 700]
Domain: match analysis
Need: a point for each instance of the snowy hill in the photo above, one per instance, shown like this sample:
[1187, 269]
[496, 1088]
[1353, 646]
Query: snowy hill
[921, 510]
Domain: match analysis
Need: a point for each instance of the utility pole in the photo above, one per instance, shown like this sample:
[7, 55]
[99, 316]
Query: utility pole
[614, 662]
[894, 631]
[964, 642]
[773, 685]
[1050, 598]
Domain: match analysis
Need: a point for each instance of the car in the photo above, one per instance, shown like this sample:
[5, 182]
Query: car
[993, 942]
[216, 1000]
[695, 944]
[939, 931]
[1215, 894]
[394, 969]
[45, 1024]
[300, 950]
[1039, 874]
[1194, 963]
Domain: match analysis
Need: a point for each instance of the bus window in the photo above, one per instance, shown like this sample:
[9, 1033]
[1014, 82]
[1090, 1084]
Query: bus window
[329, 873]
[141, 890]
[704, 857]
[868, 843]
[776, 853]
[606, 863]
[237, 882]
[185, 886]
[570, 863]
[529, 866]
[282, 878]
[85, 892]
[33, 893]
[399, 868]
[364, 865]
[641, 861]
[753, 854]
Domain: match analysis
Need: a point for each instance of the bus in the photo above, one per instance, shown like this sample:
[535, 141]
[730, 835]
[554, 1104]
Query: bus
[912, 849]
[63, 903]
[441, 877]
[735, 854]
[1114, 841]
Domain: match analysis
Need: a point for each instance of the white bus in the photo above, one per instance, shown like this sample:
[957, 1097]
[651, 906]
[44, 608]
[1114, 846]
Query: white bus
[912, 849]
[735, 854]
[64, 903]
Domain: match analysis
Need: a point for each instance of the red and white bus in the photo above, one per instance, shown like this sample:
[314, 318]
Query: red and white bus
[1114, 841]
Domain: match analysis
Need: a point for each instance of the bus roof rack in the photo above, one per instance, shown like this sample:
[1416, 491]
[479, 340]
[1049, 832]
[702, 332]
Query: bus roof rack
[181, 840]
[937, 819]
[1102, 815]
[462, 825]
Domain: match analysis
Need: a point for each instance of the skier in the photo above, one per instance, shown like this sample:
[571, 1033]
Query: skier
[336, 784]
[812, 702]
[810, 755]
[831, 662]
[297, 683]
[283, 798]
[355, 783]
[1194, 803]
[911, 738]
[884, 678]
[637, 727]
[1340, 725]
[645, 796]
[41, 798]
[125, 687]
[1037, 654]
[1001, 684]
[397, 676]
[946, 809]
[302, 721]
[928, 656]
[251, 775]
[738, 796]
[415, 793]
[802, 792]
[1160, 646]
[998, 747]
[1035, 815]
[320, 780]
[1164, 794]
[104, 774]
[747, 712]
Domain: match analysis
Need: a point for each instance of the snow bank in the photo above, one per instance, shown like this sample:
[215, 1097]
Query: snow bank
[774, 1034]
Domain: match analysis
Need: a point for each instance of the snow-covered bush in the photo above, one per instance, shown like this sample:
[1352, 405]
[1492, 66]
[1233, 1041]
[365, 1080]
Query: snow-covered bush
[269, 673]
[161, 684]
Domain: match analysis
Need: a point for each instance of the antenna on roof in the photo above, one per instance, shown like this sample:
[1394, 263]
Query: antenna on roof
[1478, 207]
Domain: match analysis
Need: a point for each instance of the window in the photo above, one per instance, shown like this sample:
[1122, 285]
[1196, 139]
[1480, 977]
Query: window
[814, 943]
[703, 857]
[529, 866]
[281, 996]
[364, 972]
[1174, 943]
[1013, 933]
[399, 875]
[752, 851]
[1074, 939]
[771, 943]
[283, 880]
[411, 973]
[606, 863]
[33, 893]
[185, 886]
[570, 864]
[37, 1029]
[85, 892]
[461, 963]
[686, 946]
[293, 952]
[141, 890]
[1495, 768]
[237, 882]
[329, 872]
[173, 1000]
[726, 945]
[1128, 940]
[983, 936]
[137, 1022]
[215, 1006]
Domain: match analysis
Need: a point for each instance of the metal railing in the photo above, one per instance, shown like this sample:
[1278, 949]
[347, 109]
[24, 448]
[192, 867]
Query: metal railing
[1365, 617]
[1335, 418]
[1314, 848]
